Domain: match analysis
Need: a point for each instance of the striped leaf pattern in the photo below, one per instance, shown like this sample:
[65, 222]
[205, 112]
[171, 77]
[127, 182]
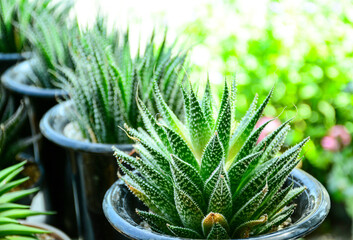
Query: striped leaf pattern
[108, 85]
[17, 16]
[224, 186]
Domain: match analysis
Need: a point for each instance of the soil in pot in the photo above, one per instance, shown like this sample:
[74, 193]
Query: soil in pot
[31, 170]
[35, 174]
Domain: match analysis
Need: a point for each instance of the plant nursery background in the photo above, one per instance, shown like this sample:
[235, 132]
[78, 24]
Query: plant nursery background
[303, 47]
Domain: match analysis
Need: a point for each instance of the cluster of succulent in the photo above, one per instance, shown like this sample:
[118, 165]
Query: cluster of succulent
[207, 177]
[16, 16]
[49, 38]
[106, 80]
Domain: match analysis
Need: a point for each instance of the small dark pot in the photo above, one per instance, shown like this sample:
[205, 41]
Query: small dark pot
[312, 208]
[94, 170]
[57, 186]
[7, 60]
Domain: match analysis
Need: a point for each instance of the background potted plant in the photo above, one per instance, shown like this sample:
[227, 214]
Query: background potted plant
[103, 89]
[15, 195]
[208, 178]
[16, 16]
[32, 80]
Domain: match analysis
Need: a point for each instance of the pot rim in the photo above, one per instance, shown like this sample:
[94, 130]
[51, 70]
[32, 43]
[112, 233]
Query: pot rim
[46, 127]
[48, 227]
[10, 81]
[300, 228]
[14, 56]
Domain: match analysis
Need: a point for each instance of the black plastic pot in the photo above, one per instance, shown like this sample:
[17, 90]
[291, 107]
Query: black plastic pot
[9, 59]
[313, 206]
[94, 170]
[57, 186]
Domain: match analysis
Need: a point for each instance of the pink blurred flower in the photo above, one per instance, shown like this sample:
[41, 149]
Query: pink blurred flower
[341, 133]
[337, 138]
[330, 143]
[269, 128]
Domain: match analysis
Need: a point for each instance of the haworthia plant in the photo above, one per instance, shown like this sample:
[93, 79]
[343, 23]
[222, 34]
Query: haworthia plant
[206, 178]
[50, 39]
[16, 16]
[107, 80]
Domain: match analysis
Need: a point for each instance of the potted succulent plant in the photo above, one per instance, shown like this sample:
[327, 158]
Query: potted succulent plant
[103, 89]
[208, 178]
[19, 181]
[49, 38]
[15, 17]
[32, 80]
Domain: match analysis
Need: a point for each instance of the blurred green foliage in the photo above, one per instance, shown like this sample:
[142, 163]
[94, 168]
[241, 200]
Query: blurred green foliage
[304, 47]
[16, 16]
[340, 179]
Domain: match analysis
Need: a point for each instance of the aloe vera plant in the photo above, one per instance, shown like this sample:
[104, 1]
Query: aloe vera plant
[106, 80]
[206, 178]
[16, 16]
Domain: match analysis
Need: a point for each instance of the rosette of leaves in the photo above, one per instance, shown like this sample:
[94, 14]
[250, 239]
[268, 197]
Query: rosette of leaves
[107, 80]
[11, 122]
[49, 38]
[207, 178]
[16, 16]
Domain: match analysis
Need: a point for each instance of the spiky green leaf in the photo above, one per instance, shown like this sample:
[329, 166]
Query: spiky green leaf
[199, 129]
[181, 148]
[207, 105]
[221, 198]
[218, 232]
[155, 220]
[189, 212]
[184, 232]
[212, 156]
